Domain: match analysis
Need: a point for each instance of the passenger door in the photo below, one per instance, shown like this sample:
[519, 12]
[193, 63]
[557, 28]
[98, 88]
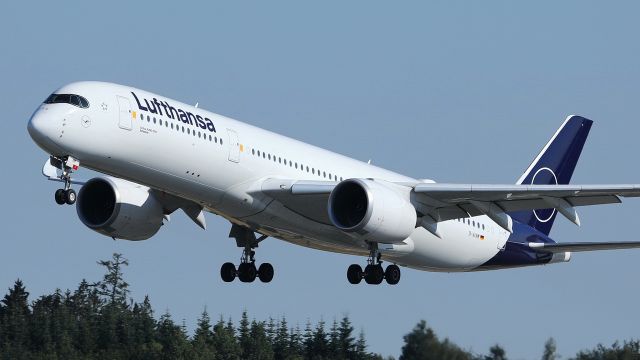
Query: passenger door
[125, 113]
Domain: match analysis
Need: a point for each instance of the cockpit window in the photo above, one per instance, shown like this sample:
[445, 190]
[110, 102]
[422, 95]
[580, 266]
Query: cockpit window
[75, 100]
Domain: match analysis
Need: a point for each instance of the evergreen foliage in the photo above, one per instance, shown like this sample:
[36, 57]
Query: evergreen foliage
[99, 321]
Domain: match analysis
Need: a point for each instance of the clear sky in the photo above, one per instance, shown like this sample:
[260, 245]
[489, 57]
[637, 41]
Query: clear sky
[453, 91]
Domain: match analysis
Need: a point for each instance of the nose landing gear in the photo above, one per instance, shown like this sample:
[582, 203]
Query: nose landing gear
[373, 273]
[67, 165]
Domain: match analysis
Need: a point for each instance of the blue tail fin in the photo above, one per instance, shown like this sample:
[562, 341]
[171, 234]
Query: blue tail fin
[554, 165]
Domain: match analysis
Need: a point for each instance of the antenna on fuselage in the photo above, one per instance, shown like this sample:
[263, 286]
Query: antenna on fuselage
[197, 104]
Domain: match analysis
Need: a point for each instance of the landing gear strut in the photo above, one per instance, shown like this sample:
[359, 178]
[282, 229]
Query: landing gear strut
[373, 273]
[67, 165]
[246, 271]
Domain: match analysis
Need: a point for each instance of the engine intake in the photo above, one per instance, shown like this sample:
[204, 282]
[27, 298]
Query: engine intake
[375, 210]
[119, 209]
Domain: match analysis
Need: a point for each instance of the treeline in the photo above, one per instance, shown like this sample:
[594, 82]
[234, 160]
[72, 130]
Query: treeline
[100, 321]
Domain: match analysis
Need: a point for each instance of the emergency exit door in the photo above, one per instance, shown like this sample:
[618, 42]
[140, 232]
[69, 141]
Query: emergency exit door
[234, 146]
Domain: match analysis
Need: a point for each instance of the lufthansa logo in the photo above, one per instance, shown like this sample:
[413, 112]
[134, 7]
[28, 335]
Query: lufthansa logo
[544, 215]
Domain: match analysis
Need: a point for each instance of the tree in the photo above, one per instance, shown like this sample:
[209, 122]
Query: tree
[423, 344]
[345, 338]
[203, 341]
[224, 340]
[549, 352]
[496, 352]
[15, 320]
[628, 351]
[113, 285]
[172, 339]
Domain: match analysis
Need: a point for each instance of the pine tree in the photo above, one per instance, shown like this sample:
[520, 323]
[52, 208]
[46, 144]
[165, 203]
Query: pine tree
[260, 347]
[333, 350]
[296, 346]
[203, 341]
[361, 347]
[345, 338]
[243, 334]
[172, 338]
[281, 340]
[225, 343]
[15, 320]
[113, 286]
[143, 326]
[319, 344]
[549, 350]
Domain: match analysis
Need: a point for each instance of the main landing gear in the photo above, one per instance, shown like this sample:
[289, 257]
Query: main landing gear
[373, 273]
[66, 195]
[247, 270]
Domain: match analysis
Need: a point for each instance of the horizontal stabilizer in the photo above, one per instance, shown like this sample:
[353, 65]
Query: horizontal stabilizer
[584, 246]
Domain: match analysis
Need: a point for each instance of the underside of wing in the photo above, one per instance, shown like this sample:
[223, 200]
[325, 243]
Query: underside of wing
[304, 197]
[583, 246]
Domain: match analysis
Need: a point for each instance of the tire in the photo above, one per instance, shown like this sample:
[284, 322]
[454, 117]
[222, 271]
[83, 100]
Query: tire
[247, 272]
[354, 274]
[60, 197]
[265, 272]
[70, 197]
[392, 274]
[373, 274]
[228, 272]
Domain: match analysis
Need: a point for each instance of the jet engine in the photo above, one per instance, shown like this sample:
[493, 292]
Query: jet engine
[373, 210]
[119, 209]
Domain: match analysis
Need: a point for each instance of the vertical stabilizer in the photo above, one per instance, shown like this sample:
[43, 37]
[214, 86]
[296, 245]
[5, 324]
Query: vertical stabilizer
[554, 165]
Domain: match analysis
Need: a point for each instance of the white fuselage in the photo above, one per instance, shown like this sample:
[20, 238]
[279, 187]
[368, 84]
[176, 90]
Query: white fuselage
[116, 137]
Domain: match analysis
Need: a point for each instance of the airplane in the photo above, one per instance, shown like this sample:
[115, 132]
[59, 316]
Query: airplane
[159, 155]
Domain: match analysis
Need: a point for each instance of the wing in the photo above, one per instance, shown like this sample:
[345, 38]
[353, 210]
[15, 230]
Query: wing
[583, 246]
[450, 201]
[442, 202]
[304, 197]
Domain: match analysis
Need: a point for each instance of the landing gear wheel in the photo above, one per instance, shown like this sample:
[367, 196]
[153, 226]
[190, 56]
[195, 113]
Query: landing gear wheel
[265, 272]
[354, 274]
[373, 274]
[70, 196]
[60, 197]
[392, 274]
[228, 272]
[247, 272]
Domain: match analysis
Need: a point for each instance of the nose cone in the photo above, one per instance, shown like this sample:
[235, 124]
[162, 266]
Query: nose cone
[43, 131]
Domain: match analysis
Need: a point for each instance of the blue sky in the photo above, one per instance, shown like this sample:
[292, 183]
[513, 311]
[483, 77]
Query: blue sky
[453, 91]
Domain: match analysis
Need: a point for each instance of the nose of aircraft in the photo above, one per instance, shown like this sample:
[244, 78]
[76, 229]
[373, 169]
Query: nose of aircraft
[43, 130]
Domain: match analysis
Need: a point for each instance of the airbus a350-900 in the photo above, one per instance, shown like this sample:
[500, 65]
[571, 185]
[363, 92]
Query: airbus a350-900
[159, 155]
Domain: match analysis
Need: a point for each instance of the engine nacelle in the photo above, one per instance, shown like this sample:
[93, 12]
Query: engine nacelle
[119, 209]
[374, 210]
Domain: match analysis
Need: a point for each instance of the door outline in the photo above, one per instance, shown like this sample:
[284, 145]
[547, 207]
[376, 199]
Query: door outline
[124, 106]
[234, 146]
